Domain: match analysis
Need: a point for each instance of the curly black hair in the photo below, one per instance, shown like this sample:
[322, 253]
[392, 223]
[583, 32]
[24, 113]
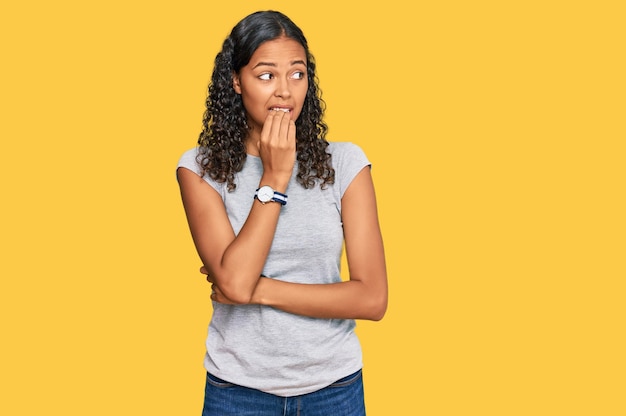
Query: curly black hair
[222, 150]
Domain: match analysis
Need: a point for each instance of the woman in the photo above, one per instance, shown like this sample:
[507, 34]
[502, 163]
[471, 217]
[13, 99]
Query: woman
[270, 204]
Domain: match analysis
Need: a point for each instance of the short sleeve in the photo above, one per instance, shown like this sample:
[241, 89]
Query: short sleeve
[189, 161]
[348, 160]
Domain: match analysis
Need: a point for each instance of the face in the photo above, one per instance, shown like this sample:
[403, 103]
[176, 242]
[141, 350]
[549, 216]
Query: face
[274, 79]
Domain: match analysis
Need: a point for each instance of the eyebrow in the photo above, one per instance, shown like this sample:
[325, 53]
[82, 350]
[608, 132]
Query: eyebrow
[296, 62]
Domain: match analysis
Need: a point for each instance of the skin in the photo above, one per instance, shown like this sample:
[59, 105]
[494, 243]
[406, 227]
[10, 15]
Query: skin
[276, 77]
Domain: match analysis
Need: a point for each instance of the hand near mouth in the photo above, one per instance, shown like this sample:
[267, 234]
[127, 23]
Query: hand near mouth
[277, 148]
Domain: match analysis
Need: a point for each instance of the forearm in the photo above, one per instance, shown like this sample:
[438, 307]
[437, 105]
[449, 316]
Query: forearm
[352, 299]
[364, 296]
[234, 261]
[243, 260]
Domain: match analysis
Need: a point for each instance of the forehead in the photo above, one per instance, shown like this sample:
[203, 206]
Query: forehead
[277, 51]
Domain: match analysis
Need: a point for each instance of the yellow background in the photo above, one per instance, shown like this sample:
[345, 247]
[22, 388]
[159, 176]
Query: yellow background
[496, 132]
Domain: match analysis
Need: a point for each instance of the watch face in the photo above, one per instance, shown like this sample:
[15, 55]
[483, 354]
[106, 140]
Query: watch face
[265, 193]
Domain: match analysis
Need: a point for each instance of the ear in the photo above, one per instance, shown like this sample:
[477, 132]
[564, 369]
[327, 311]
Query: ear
[236, 83]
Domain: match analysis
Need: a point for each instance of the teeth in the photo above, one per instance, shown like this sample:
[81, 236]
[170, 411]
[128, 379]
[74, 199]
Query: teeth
[286, 110]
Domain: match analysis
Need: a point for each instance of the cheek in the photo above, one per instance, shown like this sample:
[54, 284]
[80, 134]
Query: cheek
[257, 98]
[252, 102]
[255, 109]
[303, 98]
[305, 88]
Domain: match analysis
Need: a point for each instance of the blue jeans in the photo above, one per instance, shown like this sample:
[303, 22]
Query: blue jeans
[342, 398]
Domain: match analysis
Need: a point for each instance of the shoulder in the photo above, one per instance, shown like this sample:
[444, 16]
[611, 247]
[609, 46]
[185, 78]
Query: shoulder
[348, 160]
[347, 153]
[344, 149]
[189, 161]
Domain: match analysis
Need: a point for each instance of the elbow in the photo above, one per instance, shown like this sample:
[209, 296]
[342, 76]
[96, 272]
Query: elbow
[237, 293]
[376, 309]
[377, 317]
[378, 313]
[238, 296]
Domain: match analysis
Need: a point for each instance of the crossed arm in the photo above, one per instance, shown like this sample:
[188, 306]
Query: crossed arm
[234, 263]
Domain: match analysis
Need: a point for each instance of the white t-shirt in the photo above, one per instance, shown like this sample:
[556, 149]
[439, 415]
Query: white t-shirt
[262, 347]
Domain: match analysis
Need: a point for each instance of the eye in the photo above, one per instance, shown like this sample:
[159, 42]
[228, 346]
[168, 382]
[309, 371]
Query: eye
[298, 75]
[265, 77]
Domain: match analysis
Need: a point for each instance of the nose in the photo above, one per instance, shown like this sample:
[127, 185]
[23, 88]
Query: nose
[282, 88]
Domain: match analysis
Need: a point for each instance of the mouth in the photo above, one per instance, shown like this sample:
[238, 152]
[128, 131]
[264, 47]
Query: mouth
[283, 109]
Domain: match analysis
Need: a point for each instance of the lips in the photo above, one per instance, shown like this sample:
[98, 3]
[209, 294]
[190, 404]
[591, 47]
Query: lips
[284, 109]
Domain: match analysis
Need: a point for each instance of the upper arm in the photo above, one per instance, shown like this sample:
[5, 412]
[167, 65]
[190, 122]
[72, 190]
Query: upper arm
[208, 222]
[364, 244]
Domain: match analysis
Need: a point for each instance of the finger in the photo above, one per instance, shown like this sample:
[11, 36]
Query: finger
[265, 130]
[276, 126]
[292, 131]
[210, 278]
[285, 126]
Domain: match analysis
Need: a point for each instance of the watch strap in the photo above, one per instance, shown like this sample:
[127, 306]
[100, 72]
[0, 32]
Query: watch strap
[277, 197]
[280, 198]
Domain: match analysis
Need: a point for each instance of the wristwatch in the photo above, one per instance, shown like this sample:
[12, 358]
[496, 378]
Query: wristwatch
[267, 194]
